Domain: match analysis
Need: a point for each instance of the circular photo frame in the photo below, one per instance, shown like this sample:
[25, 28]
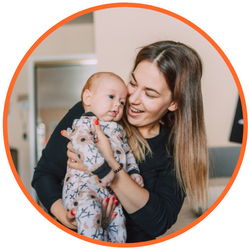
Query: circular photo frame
[117, 38]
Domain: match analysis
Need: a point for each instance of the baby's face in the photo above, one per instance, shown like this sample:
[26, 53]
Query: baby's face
[109, 98]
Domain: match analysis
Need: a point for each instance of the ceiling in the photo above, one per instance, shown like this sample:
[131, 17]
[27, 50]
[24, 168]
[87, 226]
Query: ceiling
[87, 18]
[60, 86]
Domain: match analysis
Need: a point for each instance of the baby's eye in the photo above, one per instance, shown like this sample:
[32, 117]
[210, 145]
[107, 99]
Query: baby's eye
[122, 103]
[111, 96]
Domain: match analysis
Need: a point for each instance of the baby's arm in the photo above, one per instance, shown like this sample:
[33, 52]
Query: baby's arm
[82, 136]
[106, 180]
[132, 167]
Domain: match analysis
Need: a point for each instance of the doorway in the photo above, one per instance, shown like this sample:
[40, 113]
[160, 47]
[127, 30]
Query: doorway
[55, 86]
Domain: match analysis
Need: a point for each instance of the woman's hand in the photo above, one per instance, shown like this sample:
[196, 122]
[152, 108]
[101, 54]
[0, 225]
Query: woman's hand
[108, 207]
[103, 144]
[67, 218]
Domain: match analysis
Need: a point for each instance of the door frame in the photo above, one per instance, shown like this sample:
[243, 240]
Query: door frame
[33, 62]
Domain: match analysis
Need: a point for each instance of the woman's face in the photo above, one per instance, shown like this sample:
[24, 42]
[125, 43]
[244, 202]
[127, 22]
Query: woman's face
[149, 97]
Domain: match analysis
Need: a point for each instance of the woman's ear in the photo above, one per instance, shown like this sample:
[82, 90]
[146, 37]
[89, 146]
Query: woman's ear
[86, 97]
[173, 106]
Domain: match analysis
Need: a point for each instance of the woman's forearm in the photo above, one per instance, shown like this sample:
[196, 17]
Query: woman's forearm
[57, 209]
[130, 194]
[61, 214]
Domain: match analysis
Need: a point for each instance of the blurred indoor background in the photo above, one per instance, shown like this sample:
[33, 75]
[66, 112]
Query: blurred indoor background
[51, 80]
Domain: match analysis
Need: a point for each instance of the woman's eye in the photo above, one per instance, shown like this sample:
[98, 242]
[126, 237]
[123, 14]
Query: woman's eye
[150, 96]
[111, 96]
[132, 84]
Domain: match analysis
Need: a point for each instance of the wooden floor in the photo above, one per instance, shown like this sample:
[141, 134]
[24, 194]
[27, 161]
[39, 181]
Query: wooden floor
[187, 215]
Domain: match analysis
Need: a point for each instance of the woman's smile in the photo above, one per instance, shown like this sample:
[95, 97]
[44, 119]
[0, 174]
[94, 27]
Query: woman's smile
[133, 111]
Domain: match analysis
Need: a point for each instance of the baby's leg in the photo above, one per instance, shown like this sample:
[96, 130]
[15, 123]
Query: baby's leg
[116, 230]
[81, 194]
[89, 218]
[88, 213]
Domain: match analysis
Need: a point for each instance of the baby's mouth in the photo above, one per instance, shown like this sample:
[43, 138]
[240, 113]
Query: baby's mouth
[114, 113]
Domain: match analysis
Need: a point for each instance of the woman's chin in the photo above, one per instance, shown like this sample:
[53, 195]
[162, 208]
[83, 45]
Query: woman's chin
[134, 120]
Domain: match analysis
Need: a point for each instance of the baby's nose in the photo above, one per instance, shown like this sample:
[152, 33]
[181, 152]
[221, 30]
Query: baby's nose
[118, 104]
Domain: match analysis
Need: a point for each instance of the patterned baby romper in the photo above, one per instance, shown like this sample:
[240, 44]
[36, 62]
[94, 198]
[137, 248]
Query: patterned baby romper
[82, 191]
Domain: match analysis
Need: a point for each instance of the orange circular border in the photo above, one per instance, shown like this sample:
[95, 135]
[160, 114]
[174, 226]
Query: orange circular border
[134, 5]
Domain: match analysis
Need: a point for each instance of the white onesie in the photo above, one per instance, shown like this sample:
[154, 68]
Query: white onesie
[82, 190]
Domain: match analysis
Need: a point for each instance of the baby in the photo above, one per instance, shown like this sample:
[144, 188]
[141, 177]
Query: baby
[103, 96]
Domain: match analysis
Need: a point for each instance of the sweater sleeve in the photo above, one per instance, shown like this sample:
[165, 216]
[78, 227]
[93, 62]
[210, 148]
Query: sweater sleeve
[51, 168]
[162, 208]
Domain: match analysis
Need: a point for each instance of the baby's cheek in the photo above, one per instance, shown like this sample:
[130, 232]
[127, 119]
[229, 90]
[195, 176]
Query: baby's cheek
[119, 116]
[121, 113]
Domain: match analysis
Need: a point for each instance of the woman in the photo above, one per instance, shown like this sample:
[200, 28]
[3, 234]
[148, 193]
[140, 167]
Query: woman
[167, 136]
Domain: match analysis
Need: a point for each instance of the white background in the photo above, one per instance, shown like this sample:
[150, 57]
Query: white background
[23, 22]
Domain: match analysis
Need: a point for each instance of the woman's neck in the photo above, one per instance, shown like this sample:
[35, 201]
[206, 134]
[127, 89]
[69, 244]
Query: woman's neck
[150, 131]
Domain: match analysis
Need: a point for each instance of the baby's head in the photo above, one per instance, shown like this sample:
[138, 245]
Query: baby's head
[105, 95]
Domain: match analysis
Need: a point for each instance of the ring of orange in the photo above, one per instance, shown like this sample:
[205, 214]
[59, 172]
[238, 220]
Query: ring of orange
[134, 5]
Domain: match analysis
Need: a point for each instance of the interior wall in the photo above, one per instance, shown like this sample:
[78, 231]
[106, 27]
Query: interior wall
[120, 31]
[67, 40]
[51, 115]
[114, 37]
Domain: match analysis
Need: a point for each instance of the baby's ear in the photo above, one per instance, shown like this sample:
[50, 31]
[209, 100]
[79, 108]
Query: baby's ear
[86, 97]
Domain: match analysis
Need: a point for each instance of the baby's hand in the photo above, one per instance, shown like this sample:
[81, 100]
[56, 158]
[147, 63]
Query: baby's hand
[106, 181]
[138, 179]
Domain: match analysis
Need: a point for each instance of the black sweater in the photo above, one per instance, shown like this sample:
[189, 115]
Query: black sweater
[165, 198]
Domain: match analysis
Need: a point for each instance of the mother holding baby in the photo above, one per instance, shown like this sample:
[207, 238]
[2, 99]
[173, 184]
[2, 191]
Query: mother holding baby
[166, 132]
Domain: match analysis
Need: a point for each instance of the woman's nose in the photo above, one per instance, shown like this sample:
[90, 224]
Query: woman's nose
[134, 96]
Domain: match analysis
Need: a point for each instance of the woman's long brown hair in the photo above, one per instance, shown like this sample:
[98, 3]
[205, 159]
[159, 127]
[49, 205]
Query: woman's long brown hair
[182, 68]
